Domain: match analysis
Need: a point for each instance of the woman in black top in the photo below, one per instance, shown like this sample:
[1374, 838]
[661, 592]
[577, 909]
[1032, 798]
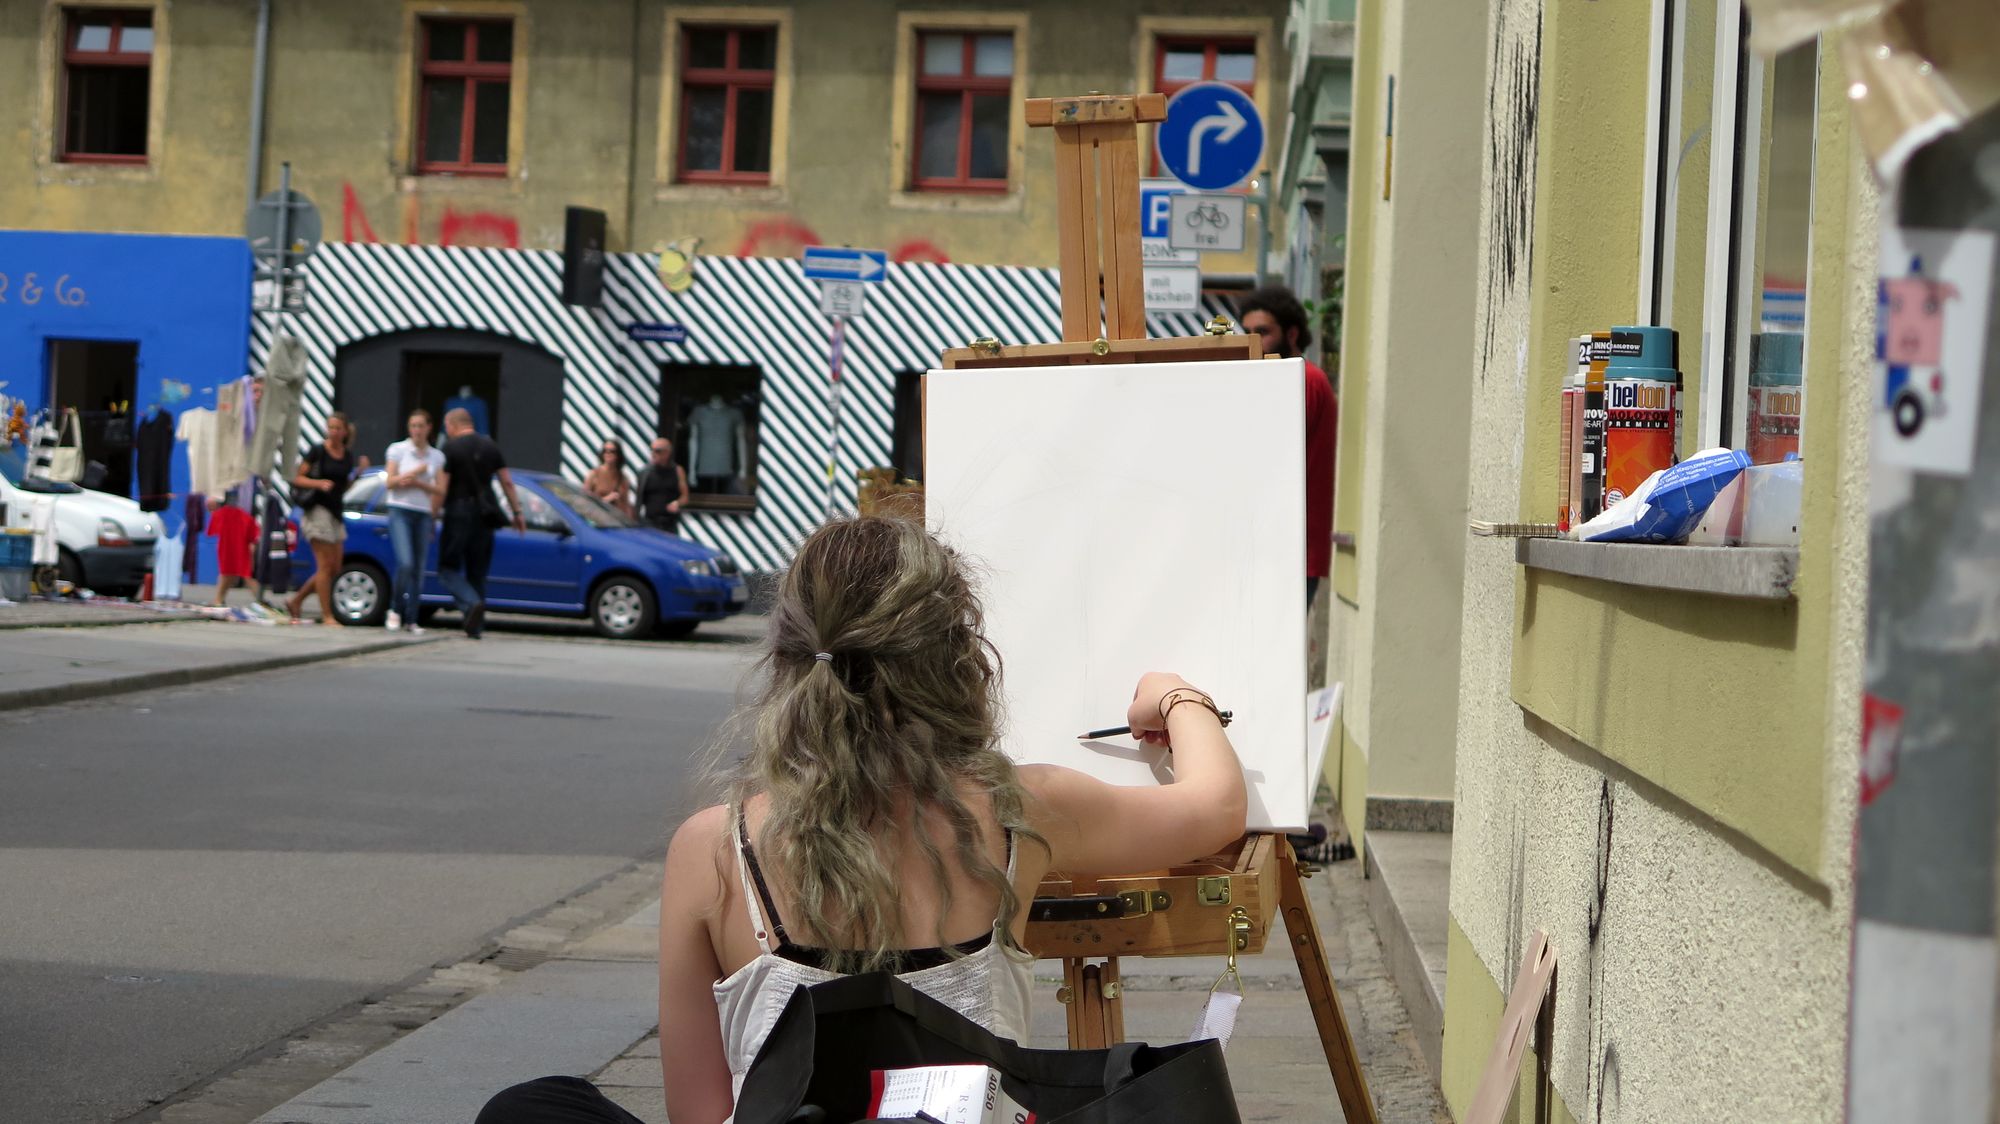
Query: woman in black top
[319, 485]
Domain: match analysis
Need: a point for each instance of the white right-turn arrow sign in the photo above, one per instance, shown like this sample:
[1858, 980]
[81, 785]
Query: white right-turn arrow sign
[1225, 125]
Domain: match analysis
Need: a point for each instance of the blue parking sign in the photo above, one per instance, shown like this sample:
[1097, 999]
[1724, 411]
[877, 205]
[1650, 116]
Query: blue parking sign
[1213, 137]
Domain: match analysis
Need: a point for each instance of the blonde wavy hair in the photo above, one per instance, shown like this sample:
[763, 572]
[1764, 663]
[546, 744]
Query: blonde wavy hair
[902, 721]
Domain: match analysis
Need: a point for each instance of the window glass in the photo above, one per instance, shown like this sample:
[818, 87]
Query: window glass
[495, 42]
[1182, 64]
[1682, 226]
[447, 41]
[708, 48]
[944, 55]
[93, 33]
[757, 48]
[993, 56]
[1775, 401]
[938, 145]
[587, 507]
[707, 110]
[136, 39]
[489, 123]
[363, 493]
[753, 130]
[711, 413]
[989, 138]
[1236, 66]
[444, 119]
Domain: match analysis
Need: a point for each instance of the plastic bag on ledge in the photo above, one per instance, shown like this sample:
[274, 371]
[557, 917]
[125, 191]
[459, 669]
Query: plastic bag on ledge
[1668, 505]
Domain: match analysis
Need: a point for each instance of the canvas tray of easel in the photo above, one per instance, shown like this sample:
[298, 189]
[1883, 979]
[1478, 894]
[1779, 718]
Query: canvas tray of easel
[1130, 426]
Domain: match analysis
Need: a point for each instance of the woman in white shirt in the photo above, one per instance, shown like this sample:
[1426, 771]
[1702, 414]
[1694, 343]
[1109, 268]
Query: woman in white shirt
[876, 825]
[413, 468]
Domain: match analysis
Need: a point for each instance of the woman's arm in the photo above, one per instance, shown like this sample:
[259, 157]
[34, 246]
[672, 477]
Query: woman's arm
[692, 1064]
[1097, 828]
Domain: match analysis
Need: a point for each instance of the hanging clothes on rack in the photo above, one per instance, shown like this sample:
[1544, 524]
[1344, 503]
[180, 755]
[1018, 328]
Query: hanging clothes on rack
[196, 512]
[155, 459]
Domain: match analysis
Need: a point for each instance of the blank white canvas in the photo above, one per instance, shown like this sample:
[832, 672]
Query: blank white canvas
[1133, 518]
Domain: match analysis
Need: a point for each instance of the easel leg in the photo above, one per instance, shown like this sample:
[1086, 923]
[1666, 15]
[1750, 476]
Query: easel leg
[1356, 1105]
[1095, 1018]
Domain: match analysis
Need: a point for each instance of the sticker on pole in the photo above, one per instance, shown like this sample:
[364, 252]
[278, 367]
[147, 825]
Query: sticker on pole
[1212, 138]
[1930, 347]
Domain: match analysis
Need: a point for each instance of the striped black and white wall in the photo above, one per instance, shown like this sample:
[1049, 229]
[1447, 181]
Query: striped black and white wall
[759, 312]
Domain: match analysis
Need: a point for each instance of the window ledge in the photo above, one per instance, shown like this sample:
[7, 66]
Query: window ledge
[1763, 573]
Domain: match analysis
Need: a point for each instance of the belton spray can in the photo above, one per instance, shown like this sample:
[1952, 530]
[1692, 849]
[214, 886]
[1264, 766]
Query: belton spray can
[1777, 396]
[1639, 406]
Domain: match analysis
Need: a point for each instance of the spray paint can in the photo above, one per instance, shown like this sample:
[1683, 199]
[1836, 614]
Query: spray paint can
[1590, 451]
[1777, 396]
[1572, 430]
[1639, 405]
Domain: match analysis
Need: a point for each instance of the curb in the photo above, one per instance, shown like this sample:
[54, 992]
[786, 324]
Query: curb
[188, 676]
[163, 618]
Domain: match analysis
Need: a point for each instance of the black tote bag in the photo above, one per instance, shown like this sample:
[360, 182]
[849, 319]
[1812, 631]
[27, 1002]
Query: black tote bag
[830, 1037]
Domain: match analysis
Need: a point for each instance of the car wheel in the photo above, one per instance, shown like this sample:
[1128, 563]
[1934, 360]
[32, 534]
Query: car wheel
[622, 608]
[678, 630]
[69, 567]
[361, 594]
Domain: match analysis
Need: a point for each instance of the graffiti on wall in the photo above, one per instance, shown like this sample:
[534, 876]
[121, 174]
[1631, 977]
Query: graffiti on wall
[1513, 102]
[454, 228]
[788, 237]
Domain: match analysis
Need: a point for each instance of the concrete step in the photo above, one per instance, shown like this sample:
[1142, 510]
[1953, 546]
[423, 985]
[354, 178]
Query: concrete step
[1409, 886]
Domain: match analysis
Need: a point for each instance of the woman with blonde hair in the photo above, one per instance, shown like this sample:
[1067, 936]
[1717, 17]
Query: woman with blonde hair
[875, 824]
[318, 487]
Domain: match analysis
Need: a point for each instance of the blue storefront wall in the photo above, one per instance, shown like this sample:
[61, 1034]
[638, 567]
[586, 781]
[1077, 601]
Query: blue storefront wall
[184, 301]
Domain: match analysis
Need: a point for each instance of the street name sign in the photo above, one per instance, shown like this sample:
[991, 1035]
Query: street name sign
[843, 299]
[1213, 137]
[1172, 288]
[838, 263]
[657, 333]
[1206, 222]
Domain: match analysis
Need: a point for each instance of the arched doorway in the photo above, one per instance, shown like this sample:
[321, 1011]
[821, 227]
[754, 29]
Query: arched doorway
[514, 390]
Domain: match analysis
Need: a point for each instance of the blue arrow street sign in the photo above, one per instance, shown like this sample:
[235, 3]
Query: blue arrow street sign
[837, 263]
[1212, 138]
[657, 333]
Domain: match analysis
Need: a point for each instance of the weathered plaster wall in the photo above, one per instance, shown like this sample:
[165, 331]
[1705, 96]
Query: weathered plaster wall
[1702, 976]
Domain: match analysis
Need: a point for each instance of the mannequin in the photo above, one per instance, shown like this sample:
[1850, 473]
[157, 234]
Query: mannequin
[472, 404]
[718, 444]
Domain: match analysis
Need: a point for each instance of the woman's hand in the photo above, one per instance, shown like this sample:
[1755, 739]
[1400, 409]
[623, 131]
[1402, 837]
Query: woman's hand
[1144, 713]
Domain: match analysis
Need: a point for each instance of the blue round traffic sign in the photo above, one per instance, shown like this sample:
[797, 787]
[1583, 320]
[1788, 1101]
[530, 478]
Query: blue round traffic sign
[1212, 138]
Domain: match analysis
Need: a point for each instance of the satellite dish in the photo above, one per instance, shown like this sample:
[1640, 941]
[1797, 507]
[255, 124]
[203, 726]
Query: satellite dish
[677, 265]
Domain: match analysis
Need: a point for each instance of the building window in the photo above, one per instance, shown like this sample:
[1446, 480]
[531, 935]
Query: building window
[107, 85]
[711, 413]
[728, 75]
[1181, 62]
[965, 83]
[463, 108]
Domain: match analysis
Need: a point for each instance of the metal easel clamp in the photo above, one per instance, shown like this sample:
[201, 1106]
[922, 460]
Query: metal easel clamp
[1239, 940]
[1220, 326]
[1212, 889]
[985, 345]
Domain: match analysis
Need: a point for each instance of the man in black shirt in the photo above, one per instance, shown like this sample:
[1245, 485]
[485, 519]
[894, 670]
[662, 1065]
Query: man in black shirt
[465, 547]
[663, 489]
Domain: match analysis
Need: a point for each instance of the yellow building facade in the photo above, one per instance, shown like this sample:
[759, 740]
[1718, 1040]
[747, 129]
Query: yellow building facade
[1649, 756]
[755, 128]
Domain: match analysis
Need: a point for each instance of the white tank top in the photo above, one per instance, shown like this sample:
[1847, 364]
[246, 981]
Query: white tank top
[990, 986]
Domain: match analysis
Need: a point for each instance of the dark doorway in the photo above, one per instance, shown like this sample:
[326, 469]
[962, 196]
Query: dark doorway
[517, 386]
[906, 437]
[440, 381]
[98, 379]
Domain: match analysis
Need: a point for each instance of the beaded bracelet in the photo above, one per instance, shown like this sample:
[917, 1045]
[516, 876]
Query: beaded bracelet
[1180, 695]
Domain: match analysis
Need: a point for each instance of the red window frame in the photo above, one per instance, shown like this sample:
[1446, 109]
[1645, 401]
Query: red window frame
[73, 22]
[475, 74]
[732, 79]
[1210, 49]
[966, 84]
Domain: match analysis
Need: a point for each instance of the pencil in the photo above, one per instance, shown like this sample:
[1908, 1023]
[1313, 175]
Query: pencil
[1117, 730]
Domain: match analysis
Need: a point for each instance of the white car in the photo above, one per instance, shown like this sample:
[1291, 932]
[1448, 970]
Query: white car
[104, 542]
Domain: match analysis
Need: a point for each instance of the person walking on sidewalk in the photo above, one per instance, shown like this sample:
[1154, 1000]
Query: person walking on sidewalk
[875, 823]
[320, 483]
[472, 462]
[663, 489]
[413, 471]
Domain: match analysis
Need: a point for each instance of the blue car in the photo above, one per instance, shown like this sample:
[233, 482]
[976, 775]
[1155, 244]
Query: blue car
[579, 557]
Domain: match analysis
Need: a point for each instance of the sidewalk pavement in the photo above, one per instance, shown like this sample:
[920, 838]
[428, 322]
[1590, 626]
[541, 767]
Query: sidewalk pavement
[589, 1010]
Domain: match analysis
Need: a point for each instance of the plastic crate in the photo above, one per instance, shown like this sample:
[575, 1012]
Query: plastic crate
[17, 551]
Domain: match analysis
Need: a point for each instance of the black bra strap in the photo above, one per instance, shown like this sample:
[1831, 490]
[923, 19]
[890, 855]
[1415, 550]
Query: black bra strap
[757, 876]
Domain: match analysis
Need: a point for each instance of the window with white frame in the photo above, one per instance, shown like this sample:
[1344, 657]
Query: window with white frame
[1726, 245]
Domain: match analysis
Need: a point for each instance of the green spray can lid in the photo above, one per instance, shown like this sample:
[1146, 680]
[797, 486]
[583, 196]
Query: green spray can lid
[1657, 349]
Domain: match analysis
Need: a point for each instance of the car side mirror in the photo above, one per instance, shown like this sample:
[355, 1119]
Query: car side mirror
[557, 527]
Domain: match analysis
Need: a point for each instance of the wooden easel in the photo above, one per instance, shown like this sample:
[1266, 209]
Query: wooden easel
[1224, 904]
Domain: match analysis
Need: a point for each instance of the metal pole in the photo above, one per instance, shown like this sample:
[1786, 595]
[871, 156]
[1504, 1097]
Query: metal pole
[833, 411]
[281, 271]
[1263, 201]
[258, 71]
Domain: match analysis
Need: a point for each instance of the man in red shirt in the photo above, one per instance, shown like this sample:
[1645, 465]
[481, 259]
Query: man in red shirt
[1276, 316]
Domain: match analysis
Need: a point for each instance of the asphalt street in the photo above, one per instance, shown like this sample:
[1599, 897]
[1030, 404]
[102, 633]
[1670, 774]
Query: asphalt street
[193, 874]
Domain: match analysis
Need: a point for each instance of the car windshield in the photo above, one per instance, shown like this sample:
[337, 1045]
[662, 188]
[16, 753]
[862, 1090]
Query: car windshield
[14, 466]
[589, 508]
